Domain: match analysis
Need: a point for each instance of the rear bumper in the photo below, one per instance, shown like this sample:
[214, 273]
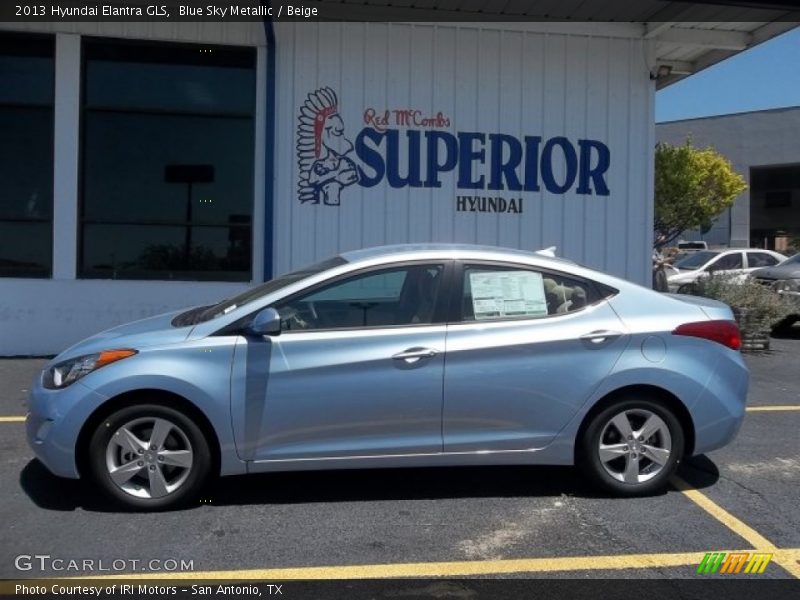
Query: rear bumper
[719, 410]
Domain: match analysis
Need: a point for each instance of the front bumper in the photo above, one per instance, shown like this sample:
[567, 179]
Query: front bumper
[54, 422]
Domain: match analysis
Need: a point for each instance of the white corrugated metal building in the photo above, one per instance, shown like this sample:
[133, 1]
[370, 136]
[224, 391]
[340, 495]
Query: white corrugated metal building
[180, 174]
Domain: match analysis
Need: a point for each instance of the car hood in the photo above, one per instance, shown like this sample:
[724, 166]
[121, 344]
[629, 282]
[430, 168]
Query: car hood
[786, 272]
[151, 331]
[682, 275]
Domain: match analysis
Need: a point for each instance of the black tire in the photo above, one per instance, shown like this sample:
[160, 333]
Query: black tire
[588, 454]
[184, 431]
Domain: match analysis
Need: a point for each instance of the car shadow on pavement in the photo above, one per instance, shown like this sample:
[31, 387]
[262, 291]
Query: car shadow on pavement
[699, 472]
[53, 493]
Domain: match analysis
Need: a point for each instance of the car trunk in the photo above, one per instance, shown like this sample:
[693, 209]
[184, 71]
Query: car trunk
[714, 309]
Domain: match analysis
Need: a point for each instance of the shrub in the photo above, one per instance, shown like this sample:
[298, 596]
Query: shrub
[757, 307]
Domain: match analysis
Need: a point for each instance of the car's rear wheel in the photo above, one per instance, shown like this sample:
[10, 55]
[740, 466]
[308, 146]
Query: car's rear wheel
[149, 457]
[632, 447]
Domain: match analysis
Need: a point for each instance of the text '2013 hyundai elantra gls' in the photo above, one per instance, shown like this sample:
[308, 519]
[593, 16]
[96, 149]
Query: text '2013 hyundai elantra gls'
[399, 356]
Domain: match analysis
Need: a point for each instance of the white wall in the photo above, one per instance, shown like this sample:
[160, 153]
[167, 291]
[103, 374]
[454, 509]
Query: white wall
[44, 316]
[493, 79]
[40, 316]
[579, 81]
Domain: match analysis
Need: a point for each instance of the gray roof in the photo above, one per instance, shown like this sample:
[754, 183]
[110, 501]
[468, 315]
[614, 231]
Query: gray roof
[688, 36]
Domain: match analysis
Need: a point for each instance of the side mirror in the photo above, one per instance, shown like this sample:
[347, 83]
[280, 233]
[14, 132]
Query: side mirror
[266, 322]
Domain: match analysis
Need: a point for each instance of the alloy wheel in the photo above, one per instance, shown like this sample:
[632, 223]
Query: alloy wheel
[149, 457]
[635, 446]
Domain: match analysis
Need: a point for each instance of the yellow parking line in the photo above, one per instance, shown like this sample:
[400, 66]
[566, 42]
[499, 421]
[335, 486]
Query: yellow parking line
[737, 526]
[452, 569]
[12, 419]
[723, 516]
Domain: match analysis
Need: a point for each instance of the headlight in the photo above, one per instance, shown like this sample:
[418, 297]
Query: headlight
[787, 286]
[63, 374]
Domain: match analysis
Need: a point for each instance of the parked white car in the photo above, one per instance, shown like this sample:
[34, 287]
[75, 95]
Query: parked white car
[735, 262]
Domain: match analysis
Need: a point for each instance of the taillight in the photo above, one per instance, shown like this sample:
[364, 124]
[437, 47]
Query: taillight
[723, 332]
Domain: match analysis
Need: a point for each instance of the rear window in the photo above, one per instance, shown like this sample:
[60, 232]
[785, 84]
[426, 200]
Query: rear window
[692, 245]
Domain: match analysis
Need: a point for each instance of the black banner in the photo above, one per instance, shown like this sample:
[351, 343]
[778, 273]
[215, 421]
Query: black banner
[15, 11]
[733, 588]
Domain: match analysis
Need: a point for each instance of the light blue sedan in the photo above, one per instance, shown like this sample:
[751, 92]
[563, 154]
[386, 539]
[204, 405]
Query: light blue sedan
[399, 356]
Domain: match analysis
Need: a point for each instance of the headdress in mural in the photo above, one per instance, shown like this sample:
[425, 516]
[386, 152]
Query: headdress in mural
[321, 150]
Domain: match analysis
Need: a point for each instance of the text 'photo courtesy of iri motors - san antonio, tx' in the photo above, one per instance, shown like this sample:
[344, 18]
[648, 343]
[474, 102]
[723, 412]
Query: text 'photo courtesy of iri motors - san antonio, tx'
[409, 149]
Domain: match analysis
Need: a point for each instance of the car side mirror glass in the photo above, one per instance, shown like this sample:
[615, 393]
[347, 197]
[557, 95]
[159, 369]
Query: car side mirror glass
[266, 322]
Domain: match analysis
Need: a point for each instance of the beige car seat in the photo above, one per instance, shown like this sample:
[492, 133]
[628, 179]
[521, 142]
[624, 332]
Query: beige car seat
[563, 298]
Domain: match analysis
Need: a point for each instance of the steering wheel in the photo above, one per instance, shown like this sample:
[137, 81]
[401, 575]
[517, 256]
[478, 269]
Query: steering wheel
[300, 316]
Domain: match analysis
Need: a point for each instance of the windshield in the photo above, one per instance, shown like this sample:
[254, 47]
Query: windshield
[273, 285]
[794, 260]
[694, 261]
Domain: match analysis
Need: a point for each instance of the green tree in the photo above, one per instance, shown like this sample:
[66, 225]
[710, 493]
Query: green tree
[692, 188]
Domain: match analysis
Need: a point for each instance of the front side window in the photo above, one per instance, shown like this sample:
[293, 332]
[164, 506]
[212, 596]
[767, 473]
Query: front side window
[384, 298]
[511, 293]
[26, 155]
[727, 262]
[167, 161]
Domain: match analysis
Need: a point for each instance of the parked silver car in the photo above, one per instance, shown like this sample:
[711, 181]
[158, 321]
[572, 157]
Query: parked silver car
[429, 355]
[784, 278]
[692, 267]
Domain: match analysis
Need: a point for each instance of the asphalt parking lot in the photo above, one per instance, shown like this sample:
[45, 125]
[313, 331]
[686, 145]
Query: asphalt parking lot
[517, 522]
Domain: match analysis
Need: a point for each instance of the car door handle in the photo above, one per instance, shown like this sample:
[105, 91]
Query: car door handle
[412, 355]
[600, 336]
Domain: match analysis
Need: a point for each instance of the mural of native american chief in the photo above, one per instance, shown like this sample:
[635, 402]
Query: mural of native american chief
[322, 149]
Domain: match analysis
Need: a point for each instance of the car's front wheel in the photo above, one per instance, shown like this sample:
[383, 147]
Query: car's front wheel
[632, 447]
[149, 457]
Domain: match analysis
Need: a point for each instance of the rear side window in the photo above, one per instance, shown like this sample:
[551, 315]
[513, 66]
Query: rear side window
[505, 292]
[760, 259]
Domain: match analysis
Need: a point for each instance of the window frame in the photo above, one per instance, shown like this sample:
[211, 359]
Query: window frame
[456, 312]
[155, 47]
[441, 309]
[40, 40]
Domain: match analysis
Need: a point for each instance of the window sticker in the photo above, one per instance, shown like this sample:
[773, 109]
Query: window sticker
[507, 294]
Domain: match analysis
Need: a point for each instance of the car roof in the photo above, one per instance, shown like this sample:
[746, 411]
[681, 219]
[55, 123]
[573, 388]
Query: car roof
[441, 250]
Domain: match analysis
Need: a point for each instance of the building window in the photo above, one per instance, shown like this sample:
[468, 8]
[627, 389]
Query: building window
[167, 161]
[26, 155]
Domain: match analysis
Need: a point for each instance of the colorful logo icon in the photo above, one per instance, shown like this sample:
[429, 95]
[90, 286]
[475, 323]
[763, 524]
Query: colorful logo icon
[734, 562]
